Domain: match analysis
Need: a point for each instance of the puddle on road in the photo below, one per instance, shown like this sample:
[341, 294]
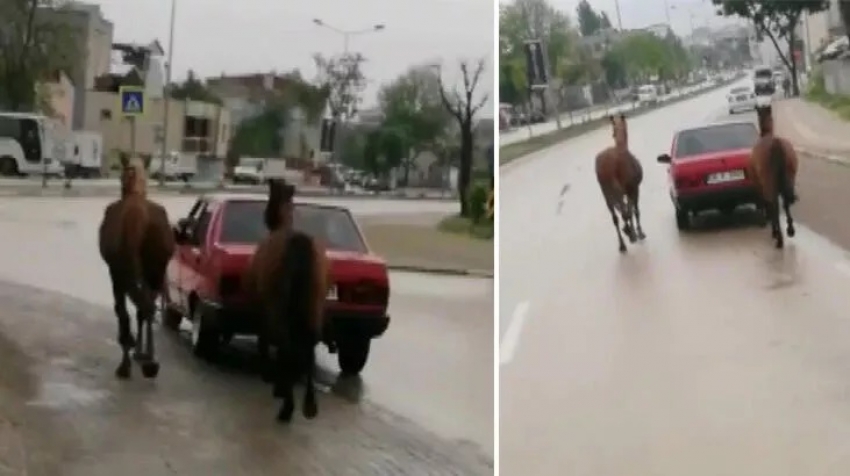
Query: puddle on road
[58, 390]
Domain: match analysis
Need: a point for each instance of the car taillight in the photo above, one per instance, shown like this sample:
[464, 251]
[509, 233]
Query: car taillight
[364, 292]
[229, 285]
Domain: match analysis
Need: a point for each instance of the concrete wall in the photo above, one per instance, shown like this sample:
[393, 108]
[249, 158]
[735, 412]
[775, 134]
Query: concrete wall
[103, 115]
[836, 76]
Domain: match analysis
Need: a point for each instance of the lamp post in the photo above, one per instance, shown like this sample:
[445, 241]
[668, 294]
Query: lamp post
[346, 39]
[166, 97]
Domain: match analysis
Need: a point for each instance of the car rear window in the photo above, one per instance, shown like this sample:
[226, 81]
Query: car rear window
[716, 138]
[243, 223]
[764, 74]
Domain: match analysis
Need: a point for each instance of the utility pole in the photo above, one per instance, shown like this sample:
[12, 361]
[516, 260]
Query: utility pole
[166, 96]
[619, 17]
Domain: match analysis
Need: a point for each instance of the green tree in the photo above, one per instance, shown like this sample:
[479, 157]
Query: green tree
[464, 106]
[642, 55]
[342, 77]
[604, 21]
[413, 109]
[589, 22]
[373, 157]
[776, 20]
[525, 20]
[35, 42]
[193, 89]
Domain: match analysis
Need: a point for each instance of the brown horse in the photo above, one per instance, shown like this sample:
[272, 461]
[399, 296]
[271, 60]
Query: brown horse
[773, 166]
[620, 174]
[136, 242]
[288, 281]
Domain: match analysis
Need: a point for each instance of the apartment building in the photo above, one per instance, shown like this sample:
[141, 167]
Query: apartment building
[245, 97]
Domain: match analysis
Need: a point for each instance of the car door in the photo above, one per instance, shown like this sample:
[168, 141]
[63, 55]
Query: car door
[183, 274]
[195, 251]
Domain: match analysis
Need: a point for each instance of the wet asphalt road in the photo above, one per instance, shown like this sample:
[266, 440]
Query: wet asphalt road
[705, 353]
[423, 406]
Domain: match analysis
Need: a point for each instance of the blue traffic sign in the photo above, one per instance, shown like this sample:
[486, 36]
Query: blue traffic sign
[132, 100]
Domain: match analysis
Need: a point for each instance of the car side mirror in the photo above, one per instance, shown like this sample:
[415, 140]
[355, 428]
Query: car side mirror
[664, 159]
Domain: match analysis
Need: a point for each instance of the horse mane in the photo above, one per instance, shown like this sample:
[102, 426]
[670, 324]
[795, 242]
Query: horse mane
[139, 185]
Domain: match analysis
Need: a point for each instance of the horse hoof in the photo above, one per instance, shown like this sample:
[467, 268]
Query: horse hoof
[123, 371]
[285, 414]
[622, 248]
[780, 245]
[310, 410]
[791, 232]
[642, 236]
[150, 369]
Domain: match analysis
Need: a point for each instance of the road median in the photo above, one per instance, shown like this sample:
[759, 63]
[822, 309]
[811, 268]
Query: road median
[419, 246]
[509, 153]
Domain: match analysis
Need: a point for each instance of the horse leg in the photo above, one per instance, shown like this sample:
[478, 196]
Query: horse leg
[125, 334]
[789, 220]
[617, 227]
[145, 301]
[266, 364]
[776, 228]
[285, 381]
[310, 407]
[640, 234]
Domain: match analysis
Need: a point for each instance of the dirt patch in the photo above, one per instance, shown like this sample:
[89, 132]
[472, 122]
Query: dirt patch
[415, 241]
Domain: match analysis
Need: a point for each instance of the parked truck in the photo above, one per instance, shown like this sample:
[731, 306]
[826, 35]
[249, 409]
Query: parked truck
[174, 166]
[83, 154]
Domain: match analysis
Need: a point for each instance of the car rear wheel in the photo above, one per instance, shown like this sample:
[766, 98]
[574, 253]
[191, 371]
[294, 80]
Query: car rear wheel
[352, 354]
[206, 341]
[683, 219]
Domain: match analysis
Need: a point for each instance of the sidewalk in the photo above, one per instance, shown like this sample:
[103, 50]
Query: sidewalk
[813, 129]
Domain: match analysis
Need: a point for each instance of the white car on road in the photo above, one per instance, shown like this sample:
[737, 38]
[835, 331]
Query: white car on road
[741, 99]
[647, 94]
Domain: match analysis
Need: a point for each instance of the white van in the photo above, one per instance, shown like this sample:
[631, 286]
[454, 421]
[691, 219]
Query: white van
[27, 146]
[647, 94]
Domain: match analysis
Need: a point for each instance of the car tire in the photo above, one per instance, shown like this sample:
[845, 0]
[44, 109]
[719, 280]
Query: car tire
[352, 354]
[683, 219]
[206, 341]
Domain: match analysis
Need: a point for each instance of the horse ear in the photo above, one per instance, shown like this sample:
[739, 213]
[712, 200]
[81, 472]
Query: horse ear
[623, 117]
[611, 118]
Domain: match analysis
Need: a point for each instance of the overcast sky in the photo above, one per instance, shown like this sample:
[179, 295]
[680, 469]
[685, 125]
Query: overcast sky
[642, 13]
[227, 36]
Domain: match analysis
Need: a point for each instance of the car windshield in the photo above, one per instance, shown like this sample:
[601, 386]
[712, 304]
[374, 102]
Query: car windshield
[740, 90]
[715, 138]
[243, 223]
[764, 74]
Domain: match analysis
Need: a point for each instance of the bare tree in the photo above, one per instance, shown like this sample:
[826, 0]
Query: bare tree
[344, 81]
[463, 106]
[34, 44]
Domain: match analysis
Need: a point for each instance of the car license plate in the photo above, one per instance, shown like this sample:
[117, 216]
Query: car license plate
[332, 296]
[724, 177]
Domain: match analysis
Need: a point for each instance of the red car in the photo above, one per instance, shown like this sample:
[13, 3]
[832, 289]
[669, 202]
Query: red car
[215, 244]
[708, 169]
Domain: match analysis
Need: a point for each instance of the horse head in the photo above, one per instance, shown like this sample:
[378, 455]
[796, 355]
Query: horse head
[620, 129]
[765, 119]
[134, 178]
[278, 207]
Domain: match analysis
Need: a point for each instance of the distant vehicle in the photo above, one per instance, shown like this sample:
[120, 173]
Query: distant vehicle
[708, 169]
[763, 82]
[175, 166]
[84, 157]
[741, 99]
[647, 94]
[216, 242]
[505, 116]
[28, 145]
[249, 171]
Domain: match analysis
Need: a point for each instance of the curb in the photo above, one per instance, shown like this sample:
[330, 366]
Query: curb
[26, 191]
[595, 124]
[836, 159]
[475, 273]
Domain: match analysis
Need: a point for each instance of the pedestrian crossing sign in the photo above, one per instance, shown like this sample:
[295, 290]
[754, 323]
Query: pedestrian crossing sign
[132, 101]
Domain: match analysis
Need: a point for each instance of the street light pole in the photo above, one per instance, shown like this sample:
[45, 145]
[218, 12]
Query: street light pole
[166, 96]
[619, 17]
[340, 118]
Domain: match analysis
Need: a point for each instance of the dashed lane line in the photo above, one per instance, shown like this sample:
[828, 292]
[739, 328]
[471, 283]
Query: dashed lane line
[510, 340]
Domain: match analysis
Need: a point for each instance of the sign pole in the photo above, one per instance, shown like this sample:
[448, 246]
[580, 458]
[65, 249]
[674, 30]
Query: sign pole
[132, 137]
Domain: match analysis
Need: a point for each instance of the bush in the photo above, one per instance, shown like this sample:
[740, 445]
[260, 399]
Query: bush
[477, 201]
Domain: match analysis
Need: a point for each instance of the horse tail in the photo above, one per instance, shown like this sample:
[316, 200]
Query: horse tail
[299, 270]
[780, 170]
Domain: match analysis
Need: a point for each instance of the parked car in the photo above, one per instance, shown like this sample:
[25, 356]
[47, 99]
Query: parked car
[741, 99]
[708, 169]
[647, 94]
[215, 243]
[249, 171]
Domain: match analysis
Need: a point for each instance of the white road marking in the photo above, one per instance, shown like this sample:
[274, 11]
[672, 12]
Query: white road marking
[510, 340]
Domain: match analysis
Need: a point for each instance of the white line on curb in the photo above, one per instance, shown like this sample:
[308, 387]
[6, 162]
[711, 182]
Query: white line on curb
[510, 340]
